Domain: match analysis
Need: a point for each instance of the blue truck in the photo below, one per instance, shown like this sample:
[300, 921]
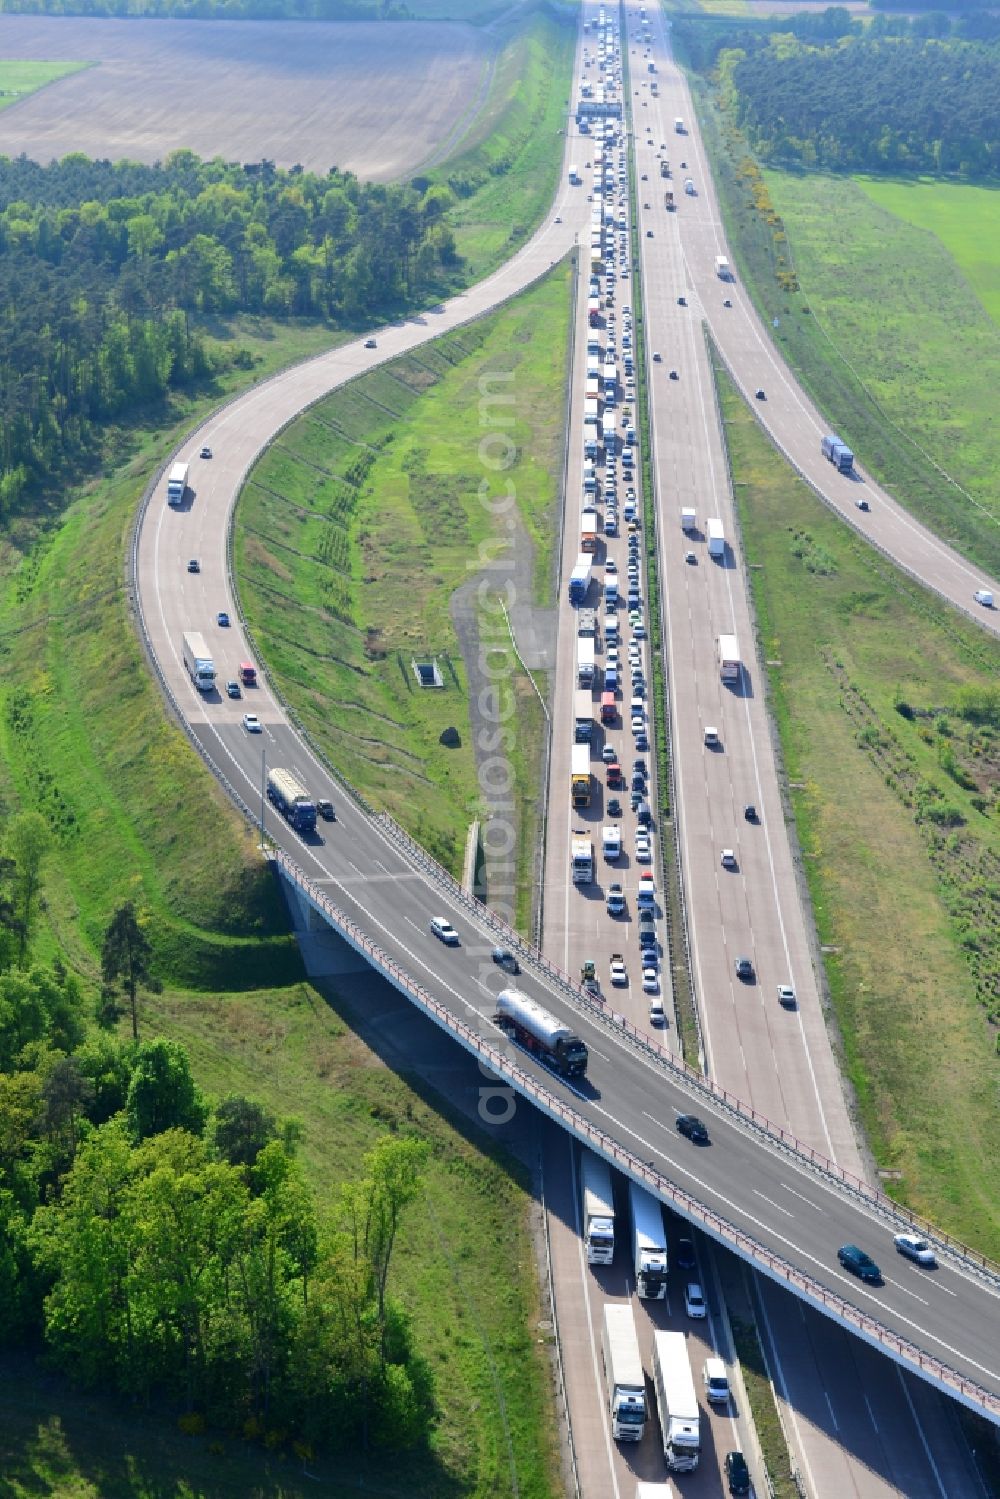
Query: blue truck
[579, 579]
[837, 452]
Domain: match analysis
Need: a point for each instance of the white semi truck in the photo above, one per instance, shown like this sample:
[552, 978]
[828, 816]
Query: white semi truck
[582, 861]
[730, 666]
[583, 717]
[598, 1209]
[177, 483]
[586, 666]
[676, 1402]
[649, 1244]
[198, 661]
[623, 1373]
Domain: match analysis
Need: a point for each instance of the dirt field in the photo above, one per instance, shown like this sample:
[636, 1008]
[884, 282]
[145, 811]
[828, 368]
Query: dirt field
[377, 99]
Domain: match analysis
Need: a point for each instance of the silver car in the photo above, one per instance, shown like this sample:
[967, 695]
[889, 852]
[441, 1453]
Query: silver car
[915, 1248]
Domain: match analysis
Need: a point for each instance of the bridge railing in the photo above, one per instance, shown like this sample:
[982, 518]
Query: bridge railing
[501, 1065]
[711, 1091]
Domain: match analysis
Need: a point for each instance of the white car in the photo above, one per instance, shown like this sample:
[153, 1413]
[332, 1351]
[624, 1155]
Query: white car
[656, 1015]
[611, 567]
[609, 753]
[252, 723]
[694, 1301]
[643, 852]
[444, 931]
[650, 981]
[915, 1248]
[619, 973]
[786, 994]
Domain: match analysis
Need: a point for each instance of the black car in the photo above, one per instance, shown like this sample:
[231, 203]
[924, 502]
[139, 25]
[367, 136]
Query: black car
[638, 784]
[860, 1264]
[759, 393]
[684, 1255]
[325, 809]
[370, 343]
[504, 958]
[692, 1128]
[744, 969]
[194, 566]
[750, 812]
[639, 766]
[737, 1473]
[614, 807]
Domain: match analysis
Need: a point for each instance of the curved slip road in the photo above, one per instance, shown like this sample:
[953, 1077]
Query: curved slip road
[789, 416]
[391, 893]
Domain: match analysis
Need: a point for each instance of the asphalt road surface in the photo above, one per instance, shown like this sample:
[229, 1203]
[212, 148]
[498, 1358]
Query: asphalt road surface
[778, 1056]
[952, 1313]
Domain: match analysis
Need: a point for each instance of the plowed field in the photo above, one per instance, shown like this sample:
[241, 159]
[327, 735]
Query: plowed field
[377, 99]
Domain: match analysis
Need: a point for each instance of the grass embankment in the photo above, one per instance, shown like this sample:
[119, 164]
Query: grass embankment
[889, 716]
[83, 738]
[506, 170]
[19, 78]
[356, 529]
[894, 344]
[763, 1410]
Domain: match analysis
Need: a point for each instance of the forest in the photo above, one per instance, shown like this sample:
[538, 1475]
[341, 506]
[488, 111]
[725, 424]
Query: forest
[106, 270]
[167, 1246]
[874, 102]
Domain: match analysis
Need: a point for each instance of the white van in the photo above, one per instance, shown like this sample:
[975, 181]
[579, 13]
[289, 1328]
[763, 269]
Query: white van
[716, 1381]
[984, 597]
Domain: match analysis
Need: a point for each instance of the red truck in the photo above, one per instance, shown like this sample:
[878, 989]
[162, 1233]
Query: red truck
[609, 708]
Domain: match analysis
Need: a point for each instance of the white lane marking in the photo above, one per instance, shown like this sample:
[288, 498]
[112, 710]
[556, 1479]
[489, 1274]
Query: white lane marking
[814, 1205]
[920, 1432]
[775, 1205]
[900, 1287]
[833, 1416]
[852, 1284]
[585, 1281]
[788, 1404]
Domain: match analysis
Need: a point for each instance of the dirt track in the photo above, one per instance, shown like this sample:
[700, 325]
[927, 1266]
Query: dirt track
[377, 99]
